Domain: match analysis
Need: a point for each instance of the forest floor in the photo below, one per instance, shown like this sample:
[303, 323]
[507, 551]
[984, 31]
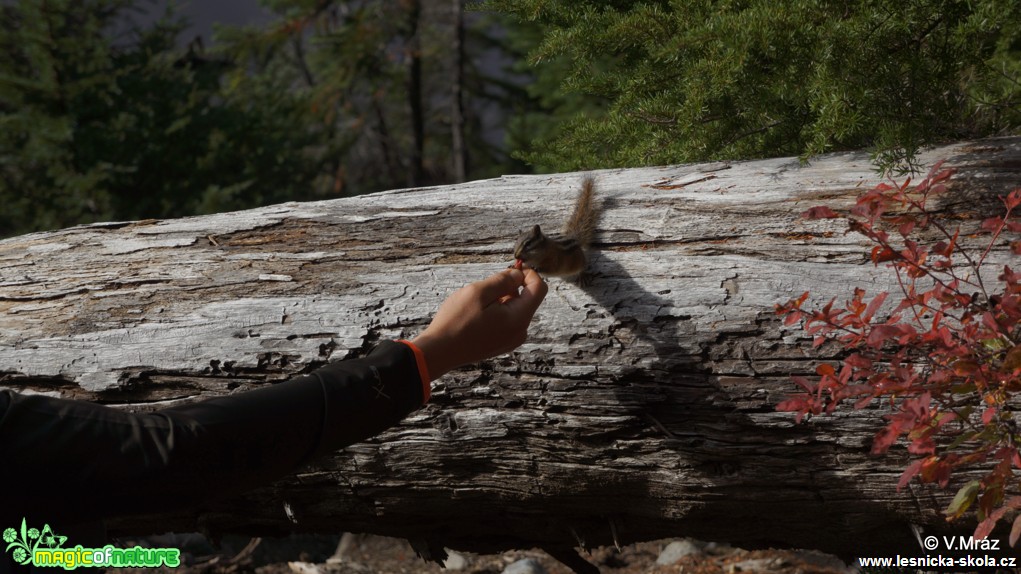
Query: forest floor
[365, 554]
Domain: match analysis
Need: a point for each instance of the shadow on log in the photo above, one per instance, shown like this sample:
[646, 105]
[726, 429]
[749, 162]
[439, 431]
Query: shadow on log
[642, 406]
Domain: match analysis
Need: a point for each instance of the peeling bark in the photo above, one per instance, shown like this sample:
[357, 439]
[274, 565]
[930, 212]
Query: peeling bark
[641, 407]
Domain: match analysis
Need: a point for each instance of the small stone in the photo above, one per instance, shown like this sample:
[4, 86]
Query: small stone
[455, 560]
[525, 566]
[757, 565]
[719, 548]
[348, 541]
[305, 568]
[676, 550]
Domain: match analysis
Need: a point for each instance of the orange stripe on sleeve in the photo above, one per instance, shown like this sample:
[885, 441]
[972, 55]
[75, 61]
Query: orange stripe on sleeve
[423, 370]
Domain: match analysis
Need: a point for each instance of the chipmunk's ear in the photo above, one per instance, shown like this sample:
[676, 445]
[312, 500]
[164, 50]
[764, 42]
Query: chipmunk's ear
[536, 230]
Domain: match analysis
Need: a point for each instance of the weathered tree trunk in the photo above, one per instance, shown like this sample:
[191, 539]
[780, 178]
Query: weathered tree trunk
[642, 405]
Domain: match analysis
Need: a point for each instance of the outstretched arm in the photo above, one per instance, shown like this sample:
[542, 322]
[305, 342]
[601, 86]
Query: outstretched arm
[75, 460]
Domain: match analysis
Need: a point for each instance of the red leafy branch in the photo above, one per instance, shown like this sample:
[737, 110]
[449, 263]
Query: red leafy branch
[946, 358]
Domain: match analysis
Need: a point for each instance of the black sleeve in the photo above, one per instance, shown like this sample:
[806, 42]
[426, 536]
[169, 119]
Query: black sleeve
[109, 462]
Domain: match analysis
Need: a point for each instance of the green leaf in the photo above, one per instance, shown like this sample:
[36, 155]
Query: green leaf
[963, 438]
[963, 500]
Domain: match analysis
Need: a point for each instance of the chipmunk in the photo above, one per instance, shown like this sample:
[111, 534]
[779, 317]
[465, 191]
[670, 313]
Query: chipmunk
[563, 254]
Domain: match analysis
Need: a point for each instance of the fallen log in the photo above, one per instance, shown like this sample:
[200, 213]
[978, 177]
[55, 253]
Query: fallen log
[642, 406]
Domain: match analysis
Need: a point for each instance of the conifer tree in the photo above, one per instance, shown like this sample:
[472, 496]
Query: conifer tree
[689, 80]
[103, 120]
[381, 74]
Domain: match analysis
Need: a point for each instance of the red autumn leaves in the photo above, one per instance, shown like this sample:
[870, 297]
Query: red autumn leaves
[945, 359]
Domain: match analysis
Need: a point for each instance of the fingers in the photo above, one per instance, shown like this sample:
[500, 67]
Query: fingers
[532, 294]
[499, 285]
[532, 278]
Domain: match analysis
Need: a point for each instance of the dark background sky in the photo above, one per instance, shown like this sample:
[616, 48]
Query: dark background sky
[204, 13]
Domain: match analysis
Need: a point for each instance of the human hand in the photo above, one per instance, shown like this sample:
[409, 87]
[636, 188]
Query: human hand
[481, 320]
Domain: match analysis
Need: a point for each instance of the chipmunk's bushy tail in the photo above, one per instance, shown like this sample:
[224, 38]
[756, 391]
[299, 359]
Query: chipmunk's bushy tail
[587, 211]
